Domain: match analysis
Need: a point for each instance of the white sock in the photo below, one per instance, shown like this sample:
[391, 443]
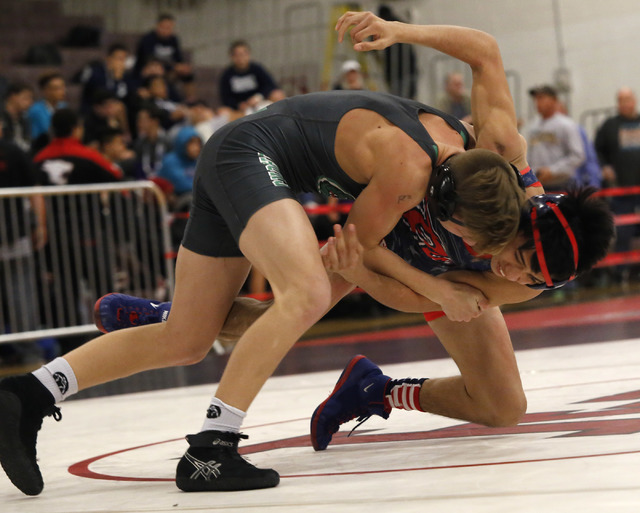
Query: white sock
[222, 417]
[58, 378]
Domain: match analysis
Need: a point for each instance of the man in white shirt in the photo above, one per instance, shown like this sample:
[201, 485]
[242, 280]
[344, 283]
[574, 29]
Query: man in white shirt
[555, 149]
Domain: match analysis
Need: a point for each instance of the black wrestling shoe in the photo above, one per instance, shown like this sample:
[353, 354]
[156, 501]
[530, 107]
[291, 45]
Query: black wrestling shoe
[24, 402]
[212, 464]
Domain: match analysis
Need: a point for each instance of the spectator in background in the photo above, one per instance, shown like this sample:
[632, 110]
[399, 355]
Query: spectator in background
[400, 63]
[179, 166]
[158, 94]
[4, 85]
[54, 92]
[105, 113]
[13, 117]
[65, 160]
[140, 93]
[153, 67]
[112, 146]
[23, 230]
[109, 74]
[245, 84]
[618, 145]
[555, 147]
[350, 76]
[455, 100]
[589, 173]
[151, 144]
[178, 169]
[163, 44]
[77, 224]
[205, 120]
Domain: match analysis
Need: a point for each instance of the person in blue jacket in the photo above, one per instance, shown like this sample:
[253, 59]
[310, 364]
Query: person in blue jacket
[179, 166]
[53, 90]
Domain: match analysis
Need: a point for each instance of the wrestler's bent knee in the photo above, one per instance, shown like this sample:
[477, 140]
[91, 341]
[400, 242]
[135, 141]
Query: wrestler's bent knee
[507, 411]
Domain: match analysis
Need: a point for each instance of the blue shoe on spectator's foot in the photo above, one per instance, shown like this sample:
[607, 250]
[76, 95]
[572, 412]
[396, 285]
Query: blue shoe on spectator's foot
[359, 393]
[118, 311]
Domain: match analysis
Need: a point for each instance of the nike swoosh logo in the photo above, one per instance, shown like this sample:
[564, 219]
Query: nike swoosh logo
[366, 389]
[155, 305]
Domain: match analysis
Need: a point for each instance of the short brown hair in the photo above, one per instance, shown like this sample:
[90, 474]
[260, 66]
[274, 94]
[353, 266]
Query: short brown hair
[237, 43]
[489, 198]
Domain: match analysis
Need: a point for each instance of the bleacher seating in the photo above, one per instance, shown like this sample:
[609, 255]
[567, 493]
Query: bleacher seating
[41, 22]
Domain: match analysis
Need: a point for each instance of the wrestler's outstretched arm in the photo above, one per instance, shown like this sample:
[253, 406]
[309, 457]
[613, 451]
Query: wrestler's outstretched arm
[493, 112]
[494, 117]
[492, 108]
[391, 194]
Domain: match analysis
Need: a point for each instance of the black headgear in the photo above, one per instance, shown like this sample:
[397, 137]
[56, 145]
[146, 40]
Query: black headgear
[442, 194]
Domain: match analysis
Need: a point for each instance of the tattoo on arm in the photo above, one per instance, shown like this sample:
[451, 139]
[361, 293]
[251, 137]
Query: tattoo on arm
[404, 197]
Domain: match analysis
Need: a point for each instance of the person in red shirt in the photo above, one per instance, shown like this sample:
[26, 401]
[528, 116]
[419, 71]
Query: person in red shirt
[65, 160]
[76, 222]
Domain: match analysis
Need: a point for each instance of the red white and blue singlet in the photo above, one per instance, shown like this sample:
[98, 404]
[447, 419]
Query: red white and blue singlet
[420, 240]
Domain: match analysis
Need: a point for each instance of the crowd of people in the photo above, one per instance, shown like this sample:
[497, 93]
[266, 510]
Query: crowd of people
[136, 107]
[562, 154]
[466, 224]
[139, 118]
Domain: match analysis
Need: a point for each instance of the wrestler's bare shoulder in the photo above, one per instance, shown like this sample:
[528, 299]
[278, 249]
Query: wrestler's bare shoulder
[367, 143]
[442, 132]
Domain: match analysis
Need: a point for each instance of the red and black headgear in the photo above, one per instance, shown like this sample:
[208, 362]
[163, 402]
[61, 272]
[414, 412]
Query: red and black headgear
[543, 206]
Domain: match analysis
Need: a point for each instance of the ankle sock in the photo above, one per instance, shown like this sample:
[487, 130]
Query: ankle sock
[404, 393]
[222, 417]
[58, 378]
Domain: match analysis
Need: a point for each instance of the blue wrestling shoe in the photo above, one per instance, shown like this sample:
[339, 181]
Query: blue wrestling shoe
[118, 311]
[359, 393]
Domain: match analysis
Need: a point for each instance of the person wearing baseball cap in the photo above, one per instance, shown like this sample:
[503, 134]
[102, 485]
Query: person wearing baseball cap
[544, 90]
[555, 148]
[351, 78]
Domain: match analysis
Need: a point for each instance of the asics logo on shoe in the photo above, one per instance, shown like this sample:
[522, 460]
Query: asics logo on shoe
[62, 382]
[204, 469]
[366, 389]
[222, 443]
[213, 412]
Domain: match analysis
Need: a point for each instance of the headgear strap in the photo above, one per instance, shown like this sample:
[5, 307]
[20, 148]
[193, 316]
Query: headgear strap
[538, 241]
[539, 250]
[569, 232]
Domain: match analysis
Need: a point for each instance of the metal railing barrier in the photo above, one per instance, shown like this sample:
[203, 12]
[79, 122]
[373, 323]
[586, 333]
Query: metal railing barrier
[62, 247]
